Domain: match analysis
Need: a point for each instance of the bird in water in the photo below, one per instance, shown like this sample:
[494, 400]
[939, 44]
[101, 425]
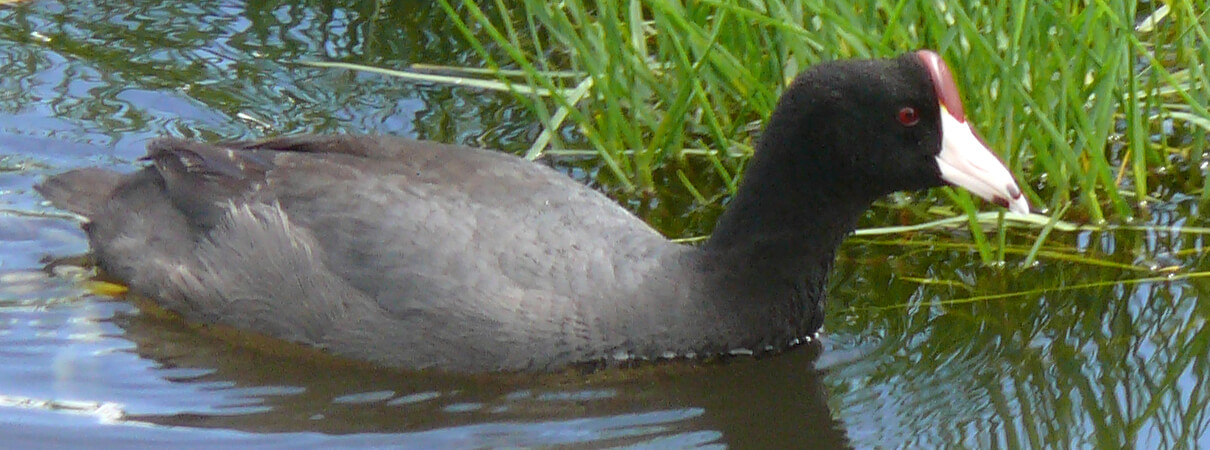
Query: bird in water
[423, 255]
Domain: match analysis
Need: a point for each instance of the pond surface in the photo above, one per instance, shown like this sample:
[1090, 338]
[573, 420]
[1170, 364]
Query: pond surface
[1104, 344]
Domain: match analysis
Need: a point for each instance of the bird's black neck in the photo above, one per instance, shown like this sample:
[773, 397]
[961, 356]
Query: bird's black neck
[771, 252]
[791, 212]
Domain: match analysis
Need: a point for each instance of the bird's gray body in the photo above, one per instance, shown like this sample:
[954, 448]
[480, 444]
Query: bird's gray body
[423, 255]
[404, 253]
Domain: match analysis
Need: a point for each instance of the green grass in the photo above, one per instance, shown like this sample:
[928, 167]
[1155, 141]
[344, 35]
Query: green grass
[1096, 105]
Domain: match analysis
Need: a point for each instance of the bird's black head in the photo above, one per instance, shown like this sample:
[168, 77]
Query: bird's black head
[843, 134]
[867, 128]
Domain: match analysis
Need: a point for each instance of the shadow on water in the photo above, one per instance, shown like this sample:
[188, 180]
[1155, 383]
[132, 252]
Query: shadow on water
[921, 348]
[675, 403]
[161, 371]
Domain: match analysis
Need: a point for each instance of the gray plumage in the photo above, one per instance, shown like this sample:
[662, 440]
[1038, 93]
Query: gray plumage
[422, 255]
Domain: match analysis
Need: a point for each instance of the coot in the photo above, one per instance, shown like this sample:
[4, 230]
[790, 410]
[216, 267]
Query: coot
[424, 255]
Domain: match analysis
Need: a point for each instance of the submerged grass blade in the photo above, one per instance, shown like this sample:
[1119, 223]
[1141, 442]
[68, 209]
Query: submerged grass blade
[1040, 292]
[1050, 226]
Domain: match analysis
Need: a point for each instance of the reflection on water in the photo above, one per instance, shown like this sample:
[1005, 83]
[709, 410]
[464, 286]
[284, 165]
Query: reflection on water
[1085, 356]
[107, 365]
[679, 403]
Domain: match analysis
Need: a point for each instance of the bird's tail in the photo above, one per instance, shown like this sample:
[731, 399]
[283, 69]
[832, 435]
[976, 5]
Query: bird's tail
[81, 191]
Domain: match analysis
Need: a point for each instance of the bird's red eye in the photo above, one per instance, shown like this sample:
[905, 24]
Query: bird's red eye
[908, 116]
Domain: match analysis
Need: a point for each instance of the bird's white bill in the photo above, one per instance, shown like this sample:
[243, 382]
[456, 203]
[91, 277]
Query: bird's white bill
[967, 163]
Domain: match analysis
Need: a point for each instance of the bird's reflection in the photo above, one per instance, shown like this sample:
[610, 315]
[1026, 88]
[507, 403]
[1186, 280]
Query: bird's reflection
[262, 385]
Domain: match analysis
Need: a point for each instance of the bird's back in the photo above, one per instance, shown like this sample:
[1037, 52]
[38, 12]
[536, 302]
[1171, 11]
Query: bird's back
[360, 243]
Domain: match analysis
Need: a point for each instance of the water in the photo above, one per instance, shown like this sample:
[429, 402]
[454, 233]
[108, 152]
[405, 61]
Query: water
[1085, 356]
